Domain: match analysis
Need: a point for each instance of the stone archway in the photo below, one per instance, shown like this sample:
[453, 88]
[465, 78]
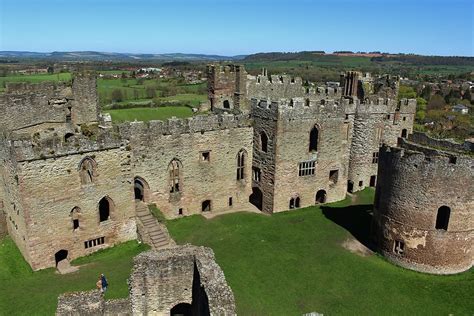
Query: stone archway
[321, 197]
[181, 309]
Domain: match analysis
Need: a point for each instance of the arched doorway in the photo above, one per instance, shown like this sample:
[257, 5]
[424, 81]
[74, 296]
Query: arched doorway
[404, 133]
[256, 198]
[139, 189]
[60, 256]
[321, 196]
[182, 309]
[105, 208]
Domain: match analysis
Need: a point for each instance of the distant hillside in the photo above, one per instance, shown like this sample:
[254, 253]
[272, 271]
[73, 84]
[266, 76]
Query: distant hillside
[103, 56]
[376, 57]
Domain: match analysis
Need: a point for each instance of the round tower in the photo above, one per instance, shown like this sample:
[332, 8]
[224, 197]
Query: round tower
[424, 208]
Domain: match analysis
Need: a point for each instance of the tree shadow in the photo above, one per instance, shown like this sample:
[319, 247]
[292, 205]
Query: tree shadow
[357, 219]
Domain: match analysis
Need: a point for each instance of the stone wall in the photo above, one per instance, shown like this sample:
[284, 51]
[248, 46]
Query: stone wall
[415, 183]
[201, 178]
[181, 275]
[226, 86]
[81, 303]
[49, 188]
[26, 104]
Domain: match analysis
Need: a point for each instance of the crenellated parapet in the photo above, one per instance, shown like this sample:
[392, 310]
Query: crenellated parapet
[28, 149]
[424, 208]
[176, 126]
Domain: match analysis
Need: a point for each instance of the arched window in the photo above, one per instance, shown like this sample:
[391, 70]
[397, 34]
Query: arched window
[321, 196]
[294, 202]
[226, 104]
[442, 219]
[75, 213]
[87, 170]
[404, 133]
[175, 176]
[313, 139]
[241, 164]
[105, 208]
[264, 142]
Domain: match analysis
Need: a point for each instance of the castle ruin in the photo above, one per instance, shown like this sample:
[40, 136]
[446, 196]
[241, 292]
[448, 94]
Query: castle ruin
[70, 182]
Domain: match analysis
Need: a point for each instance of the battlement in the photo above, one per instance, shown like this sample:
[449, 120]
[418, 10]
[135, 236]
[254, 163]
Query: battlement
[29, 148]
[231, 68]
[421, 156]
[45, 87]
[176, 126]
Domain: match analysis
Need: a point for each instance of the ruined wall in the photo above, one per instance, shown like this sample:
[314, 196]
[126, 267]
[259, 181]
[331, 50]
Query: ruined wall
[186, 274]
[414, 182]
[226, 87]
[50, 187]
[293, 147]
[156, 144]
[26, 104]
[376, 124]
[81, 303]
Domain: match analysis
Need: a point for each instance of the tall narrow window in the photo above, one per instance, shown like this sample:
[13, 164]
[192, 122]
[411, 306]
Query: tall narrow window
[442, 219]
[313, 139]
[263, 142]
[241, 164]
[75, 212]
[87, 170]
[105, 208]
[174, 176]
[256, 174]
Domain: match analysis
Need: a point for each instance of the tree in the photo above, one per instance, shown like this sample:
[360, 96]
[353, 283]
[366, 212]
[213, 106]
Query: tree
[117, 95]
[150, 92]
[436, 103]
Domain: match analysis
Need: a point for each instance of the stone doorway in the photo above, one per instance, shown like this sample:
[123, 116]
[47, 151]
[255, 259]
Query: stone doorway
[321, 197]
[256, 198]
[60, 256]
[182, 309]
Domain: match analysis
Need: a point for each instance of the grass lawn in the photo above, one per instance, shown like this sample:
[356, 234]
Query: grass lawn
[293, 262]
[148, 114]
[24, 292]
[34, 78]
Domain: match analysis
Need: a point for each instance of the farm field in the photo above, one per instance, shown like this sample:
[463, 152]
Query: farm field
[34, 78]
[293, 262]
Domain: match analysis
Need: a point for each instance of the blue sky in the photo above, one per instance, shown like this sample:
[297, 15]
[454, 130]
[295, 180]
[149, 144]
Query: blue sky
[231, 27]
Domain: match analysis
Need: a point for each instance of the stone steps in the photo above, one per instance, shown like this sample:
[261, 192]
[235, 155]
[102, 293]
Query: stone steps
[152, 228]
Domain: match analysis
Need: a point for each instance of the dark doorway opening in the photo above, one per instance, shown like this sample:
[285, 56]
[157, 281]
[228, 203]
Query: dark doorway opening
[68, 136]
[182, 309]
[60, 256]
[350, 186]
[373, 179]
[206, 206]
[442, 219]
[256, 198]
[404, 133]
[226, 104]
[104, 209]
[139, 190]
[321, 196]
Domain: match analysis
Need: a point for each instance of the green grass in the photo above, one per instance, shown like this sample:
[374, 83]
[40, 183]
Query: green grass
[24, 292]
[148, 114]
[155, 211]
[34, 78]
[293, 262]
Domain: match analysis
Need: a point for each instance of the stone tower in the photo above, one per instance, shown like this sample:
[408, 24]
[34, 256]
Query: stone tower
[424, 205]
[227, 88]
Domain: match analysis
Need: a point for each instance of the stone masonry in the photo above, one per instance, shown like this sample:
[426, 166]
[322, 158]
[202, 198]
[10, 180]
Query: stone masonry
[183, 280]
[424, 205]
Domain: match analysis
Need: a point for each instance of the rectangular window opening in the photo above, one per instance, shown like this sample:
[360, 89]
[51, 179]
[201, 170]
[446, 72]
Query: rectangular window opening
[230, 201]
[206, 156]
[307, 168]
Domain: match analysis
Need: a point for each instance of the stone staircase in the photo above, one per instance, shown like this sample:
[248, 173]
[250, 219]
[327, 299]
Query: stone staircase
[149, 229]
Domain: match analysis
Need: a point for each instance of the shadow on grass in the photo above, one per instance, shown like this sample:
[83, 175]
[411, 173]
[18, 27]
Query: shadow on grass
[357, 219]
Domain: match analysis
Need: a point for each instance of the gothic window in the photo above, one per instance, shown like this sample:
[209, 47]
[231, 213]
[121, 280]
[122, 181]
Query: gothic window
[241, 164]
[75, 213]
[87, 170]
[294, 202]
[256, 174]
[313, 139]
[105, 208]
[174, 176]
[398, 247]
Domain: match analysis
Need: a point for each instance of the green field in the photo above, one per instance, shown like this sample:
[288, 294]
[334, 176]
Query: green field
[24, 292]
[34, 78]
[293, 262]
[148, 114]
